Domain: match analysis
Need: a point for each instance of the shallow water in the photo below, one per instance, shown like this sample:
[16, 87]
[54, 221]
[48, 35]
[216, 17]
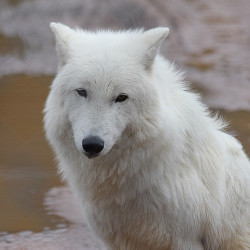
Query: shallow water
[26, 163]
[217, 61]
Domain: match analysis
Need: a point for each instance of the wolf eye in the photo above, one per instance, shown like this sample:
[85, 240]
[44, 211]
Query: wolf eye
[121, 98]
[82, 92]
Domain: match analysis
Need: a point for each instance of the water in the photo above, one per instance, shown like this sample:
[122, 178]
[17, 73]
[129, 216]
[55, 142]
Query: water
[213, 46]
[27, 169]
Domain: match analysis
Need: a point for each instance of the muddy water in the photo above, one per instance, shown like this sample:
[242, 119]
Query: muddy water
[26, 163]
[209, 39]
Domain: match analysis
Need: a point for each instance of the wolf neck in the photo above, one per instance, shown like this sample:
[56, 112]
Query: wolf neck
[110, 176]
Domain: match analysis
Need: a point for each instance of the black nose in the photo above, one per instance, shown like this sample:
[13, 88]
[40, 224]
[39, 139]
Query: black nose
[93, 145]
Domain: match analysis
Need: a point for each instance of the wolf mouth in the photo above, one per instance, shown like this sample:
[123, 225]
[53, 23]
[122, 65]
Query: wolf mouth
[91, 155]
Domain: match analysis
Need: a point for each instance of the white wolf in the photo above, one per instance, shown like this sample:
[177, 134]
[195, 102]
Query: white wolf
[152, 168]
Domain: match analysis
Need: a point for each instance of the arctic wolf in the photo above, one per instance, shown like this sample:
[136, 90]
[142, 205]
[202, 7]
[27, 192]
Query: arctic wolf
[153, 169]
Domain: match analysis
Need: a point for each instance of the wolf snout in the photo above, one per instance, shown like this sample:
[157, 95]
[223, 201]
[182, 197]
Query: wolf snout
[92, 146]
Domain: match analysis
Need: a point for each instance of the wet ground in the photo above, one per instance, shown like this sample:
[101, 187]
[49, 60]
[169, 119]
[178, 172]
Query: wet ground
[210, 40]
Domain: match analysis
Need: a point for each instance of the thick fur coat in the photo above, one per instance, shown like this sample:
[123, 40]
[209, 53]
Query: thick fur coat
[168, 176]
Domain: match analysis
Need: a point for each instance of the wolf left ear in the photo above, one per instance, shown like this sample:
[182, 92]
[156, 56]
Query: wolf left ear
[153, 39]
[62, 36]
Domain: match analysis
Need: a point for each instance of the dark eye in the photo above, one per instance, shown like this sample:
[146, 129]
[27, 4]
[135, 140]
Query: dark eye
[121, 98]
[82, 92]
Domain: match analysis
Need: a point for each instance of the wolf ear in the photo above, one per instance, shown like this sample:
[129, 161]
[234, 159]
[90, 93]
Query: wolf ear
[153, 39]
[62, 36]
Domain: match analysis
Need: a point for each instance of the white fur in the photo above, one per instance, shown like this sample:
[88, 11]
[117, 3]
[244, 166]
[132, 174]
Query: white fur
[168, 176]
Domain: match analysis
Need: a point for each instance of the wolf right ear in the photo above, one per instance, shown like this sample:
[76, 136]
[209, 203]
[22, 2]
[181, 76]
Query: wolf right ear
[62, 36]
[153, 39]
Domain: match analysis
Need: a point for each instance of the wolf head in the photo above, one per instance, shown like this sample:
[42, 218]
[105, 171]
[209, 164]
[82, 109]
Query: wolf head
[103, 87]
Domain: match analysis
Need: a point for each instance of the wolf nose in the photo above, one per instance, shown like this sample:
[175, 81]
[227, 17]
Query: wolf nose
[93, 145]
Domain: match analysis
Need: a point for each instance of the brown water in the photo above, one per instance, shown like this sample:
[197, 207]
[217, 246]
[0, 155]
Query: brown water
[27, 169]
[210, 39]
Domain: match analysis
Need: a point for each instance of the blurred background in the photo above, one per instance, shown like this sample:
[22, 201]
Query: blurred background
[210, 40]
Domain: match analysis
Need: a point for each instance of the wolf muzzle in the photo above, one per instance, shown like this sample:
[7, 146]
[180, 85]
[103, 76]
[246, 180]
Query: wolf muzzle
[92, 146]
